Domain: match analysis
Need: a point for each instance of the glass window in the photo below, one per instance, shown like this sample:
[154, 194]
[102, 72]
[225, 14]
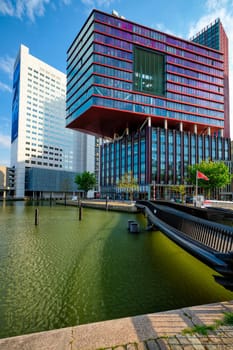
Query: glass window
[148, 72]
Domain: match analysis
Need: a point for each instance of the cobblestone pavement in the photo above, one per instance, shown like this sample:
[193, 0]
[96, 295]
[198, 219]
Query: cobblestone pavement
[221, 339]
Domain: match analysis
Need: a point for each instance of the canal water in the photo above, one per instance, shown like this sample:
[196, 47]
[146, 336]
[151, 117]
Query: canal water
[66, 272]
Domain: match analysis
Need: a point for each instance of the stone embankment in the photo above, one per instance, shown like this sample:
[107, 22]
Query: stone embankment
[125, 206]
[158, 331]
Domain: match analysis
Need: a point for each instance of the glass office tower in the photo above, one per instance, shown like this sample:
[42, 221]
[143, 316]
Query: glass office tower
[159, 101]
[44, 154]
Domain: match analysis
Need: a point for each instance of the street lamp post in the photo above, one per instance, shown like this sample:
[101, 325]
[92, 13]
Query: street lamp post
[154, 192]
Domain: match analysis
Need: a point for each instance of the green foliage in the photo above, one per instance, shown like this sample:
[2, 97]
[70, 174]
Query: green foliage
[217, 172]
[201, 329]
[228, 318]
[85, 181]
[204, 329]
[179, 189]
[128, 183]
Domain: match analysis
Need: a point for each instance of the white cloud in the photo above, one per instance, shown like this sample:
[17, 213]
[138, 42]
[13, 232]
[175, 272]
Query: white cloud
[97, 3]
[215, 4]
[25, 8]
[222, 9]
[6, 65]
[6, 8]
[28, 8]
[5, 141]
[5, 87]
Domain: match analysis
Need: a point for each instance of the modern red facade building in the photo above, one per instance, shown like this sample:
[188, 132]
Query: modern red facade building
[214, 36]
[162, 102]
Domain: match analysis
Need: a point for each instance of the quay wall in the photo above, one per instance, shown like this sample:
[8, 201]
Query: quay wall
[151, 331]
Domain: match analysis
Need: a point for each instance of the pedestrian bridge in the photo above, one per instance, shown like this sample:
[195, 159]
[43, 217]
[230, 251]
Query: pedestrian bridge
[209, 241]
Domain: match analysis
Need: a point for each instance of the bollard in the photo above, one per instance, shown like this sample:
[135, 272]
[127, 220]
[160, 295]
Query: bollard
[134, 227]
[129, 223]
[80, 211]
[36, 216]
[106, 204]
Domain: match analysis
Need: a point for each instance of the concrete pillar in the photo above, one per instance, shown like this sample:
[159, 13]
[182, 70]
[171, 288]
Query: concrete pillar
[209, 131]
[165, 124]
[195, 128]
[149, 121]
[181, 126]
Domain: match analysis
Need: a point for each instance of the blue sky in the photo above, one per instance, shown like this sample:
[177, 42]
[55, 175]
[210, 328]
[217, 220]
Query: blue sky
[48, 27]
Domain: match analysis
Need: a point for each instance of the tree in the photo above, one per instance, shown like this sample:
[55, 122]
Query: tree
[128, 183]
[179, 189]
[85, 181]
[217, 172]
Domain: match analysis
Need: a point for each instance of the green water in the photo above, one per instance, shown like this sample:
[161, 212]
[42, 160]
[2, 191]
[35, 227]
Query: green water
[67, 272]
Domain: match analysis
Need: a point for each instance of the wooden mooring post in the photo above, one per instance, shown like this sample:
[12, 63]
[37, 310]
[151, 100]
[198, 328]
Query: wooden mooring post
[36, 216]
[106, 203]
[80, 211]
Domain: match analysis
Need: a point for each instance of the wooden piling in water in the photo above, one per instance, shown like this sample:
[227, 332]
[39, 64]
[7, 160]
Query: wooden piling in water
[36, 216]
[80, 211]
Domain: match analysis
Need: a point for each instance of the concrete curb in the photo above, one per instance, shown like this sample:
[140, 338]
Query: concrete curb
[152, 331]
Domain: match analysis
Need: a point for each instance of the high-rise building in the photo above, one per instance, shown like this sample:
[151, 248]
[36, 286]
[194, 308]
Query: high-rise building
[162, 102]
[43, 152]
[214, 36]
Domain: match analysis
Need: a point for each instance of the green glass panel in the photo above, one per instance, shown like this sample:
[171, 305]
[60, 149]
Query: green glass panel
[148, 72]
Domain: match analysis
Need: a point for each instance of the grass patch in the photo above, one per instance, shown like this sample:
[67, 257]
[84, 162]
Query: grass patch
[204, 329]
[200, 329]
[228, 319]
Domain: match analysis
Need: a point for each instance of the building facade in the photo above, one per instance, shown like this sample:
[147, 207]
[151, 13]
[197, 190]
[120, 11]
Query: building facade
[7, 182]
[39, 138]
[214, 36]
[161, 102]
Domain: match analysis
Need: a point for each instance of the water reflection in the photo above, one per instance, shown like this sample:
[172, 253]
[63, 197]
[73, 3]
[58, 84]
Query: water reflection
[65, 272]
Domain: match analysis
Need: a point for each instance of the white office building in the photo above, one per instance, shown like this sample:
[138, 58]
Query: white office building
[46, 156]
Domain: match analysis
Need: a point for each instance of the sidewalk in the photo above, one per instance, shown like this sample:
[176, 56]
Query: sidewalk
[124, 206]
[158, 331]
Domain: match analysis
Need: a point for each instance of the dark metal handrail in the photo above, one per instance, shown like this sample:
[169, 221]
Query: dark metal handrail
[212, 235]
[209, 241]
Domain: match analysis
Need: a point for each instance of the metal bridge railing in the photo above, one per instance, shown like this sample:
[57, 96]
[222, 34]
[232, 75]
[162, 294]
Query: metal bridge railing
[214, 236]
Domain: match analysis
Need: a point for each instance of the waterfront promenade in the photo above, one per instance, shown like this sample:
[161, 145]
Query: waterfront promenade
[158, 331]
[124, 206]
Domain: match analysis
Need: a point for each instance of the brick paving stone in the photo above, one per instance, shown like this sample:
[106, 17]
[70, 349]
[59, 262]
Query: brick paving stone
[227, 330]
[131, 347]
[227, 340]
[163, 344]
[173, 341]
[214, 339]
[151, 344]
[183, 340]
[187, 347]
[195, 342]
[203, 339]
[142, 346]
